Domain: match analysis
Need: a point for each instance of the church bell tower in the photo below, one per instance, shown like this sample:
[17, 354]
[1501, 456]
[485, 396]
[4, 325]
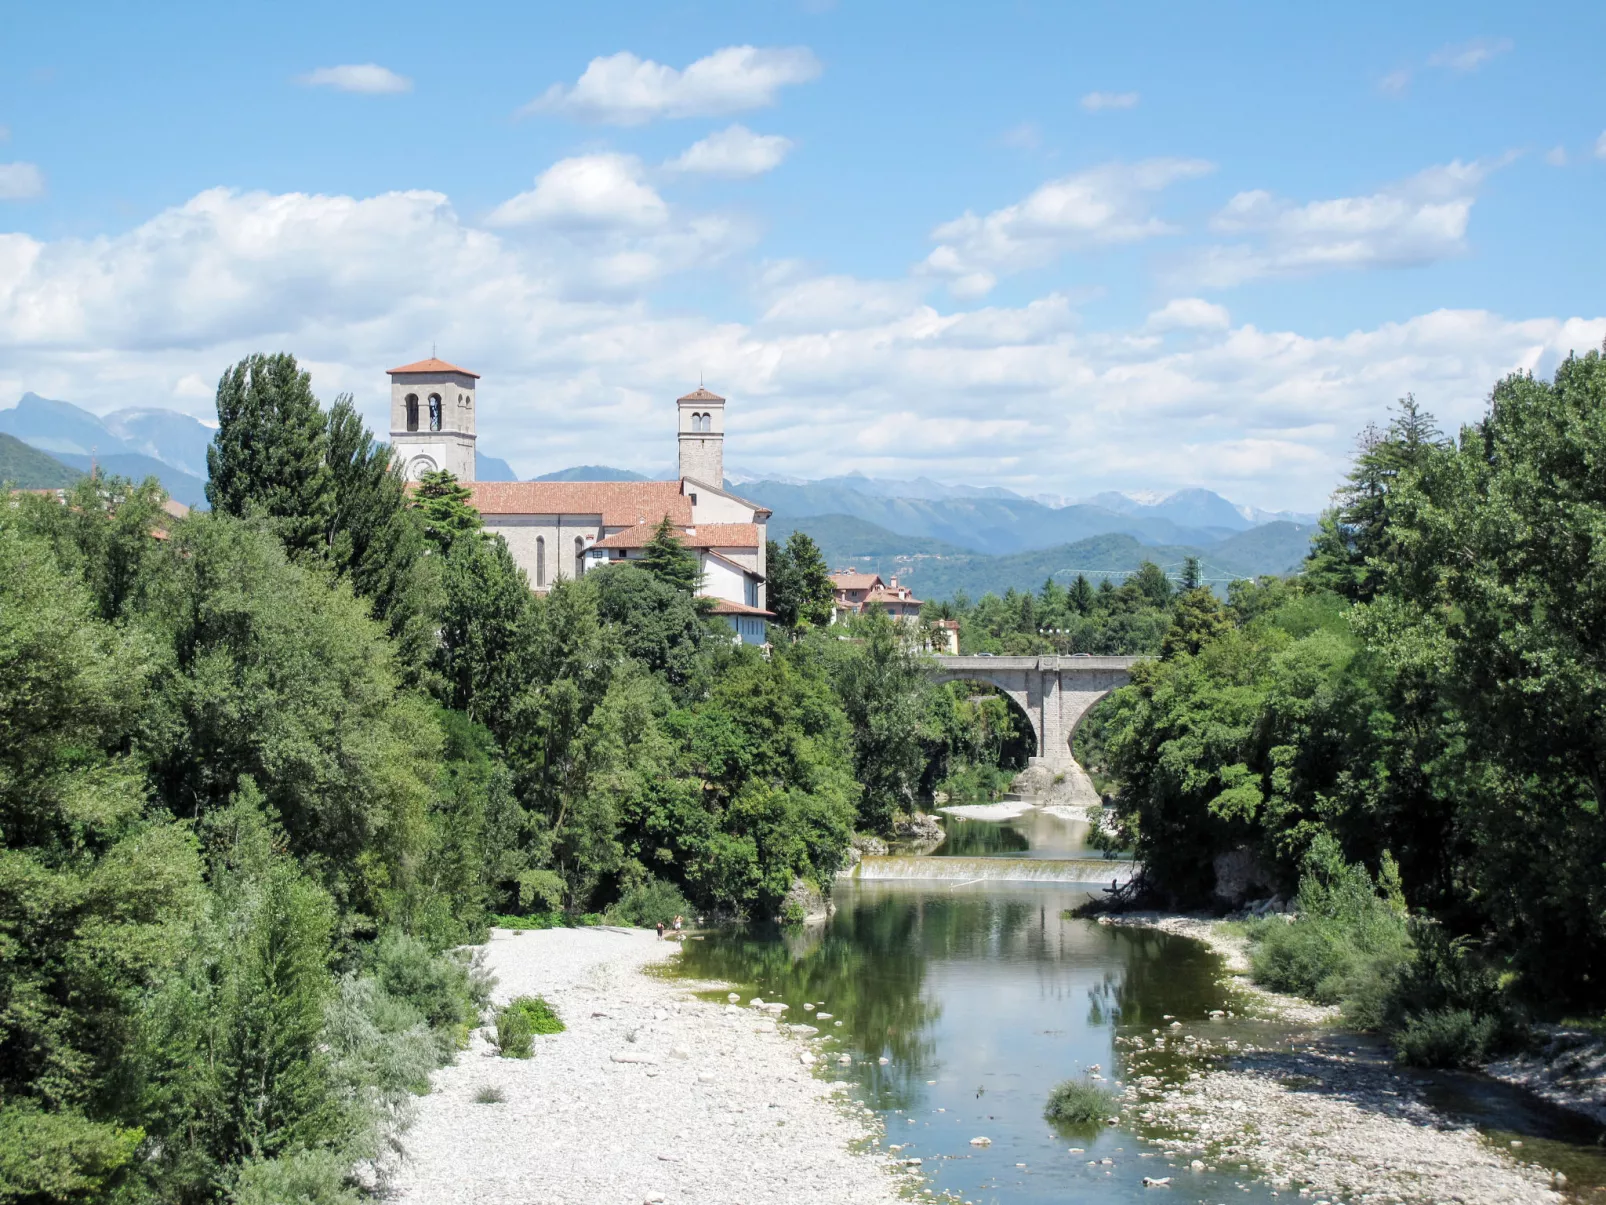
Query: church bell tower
[432, 418]
[702, 437]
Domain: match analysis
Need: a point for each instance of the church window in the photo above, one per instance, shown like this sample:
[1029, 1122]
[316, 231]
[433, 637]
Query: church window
[434, 412]
[540, 562]
[579, 556]
[412, 412]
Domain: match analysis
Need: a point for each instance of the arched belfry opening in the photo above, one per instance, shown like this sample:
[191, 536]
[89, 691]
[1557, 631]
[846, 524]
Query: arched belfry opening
[412, 412]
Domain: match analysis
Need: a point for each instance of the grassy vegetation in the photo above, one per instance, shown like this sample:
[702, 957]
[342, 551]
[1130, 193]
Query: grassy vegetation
[1079, 1102]
[519, 1021]
[1353, 944]
[489, 1094]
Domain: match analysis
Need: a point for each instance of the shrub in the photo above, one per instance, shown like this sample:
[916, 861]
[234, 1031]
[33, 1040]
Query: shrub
[1450, 1037]
[1079, 1102]
[647, 902]
[449, 989]
[303, 1178]
[1350, 941]
[489, 1094]
[519, 1021]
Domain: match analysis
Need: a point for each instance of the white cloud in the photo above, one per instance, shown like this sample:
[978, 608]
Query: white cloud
[1395, 83]
[733, 151]
[357, 77]
[1469, 56]
[604, 190]
[1095, 101]
[1556, 156]
[1189, 313]
[1100, 206]
[1410, 223]
[581, 366]
[20, 181]
[621, 89]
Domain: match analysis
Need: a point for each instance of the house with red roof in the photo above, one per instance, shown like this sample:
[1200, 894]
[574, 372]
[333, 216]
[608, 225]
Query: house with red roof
[565, 529]
[857, 591]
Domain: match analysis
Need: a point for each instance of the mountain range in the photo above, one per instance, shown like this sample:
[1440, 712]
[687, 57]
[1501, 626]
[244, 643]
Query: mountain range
[939, 538]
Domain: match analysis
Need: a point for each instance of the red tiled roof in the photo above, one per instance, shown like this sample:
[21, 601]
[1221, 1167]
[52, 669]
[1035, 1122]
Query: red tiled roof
[724, 606]
[847, 580]
[885, 595]
[619, 503]
[700, 395]
[433, 365]
[705, 535]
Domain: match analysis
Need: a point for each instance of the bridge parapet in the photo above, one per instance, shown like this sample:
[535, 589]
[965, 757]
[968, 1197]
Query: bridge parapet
[1055, 692]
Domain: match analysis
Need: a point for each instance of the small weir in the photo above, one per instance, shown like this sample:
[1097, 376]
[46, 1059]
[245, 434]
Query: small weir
[1090, 871]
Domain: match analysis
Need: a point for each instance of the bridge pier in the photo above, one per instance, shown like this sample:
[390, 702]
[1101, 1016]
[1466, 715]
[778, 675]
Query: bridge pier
[1054, 692]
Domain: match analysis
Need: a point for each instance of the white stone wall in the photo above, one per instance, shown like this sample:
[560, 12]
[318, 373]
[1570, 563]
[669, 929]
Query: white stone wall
[522, 533]
[723, 581]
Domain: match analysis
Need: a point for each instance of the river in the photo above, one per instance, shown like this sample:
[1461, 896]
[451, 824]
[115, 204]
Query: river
[965, 997]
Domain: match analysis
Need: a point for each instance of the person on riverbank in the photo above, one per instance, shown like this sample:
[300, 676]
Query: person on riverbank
[677, 927]
[660, 930]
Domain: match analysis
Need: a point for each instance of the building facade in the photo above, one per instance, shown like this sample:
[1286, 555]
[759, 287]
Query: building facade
[565, 529]
[432, 418]
[857, 591]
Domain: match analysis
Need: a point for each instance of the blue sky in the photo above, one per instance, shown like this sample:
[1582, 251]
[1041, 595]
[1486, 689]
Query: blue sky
[1060, 248]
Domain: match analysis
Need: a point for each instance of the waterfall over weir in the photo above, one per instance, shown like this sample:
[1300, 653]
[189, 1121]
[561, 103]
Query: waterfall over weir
[998, 870]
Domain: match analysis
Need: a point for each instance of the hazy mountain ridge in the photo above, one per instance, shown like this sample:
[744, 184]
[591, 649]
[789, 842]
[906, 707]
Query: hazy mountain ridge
[880, 517]
[936, 571]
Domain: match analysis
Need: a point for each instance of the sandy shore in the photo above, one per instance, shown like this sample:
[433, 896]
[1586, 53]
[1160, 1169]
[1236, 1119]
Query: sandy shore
[650, 1095]
[1309, 1110]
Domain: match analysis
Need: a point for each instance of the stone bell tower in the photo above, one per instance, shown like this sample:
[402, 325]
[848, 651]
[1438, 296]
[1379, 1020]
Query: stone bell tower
[702, 437]
[432, 418]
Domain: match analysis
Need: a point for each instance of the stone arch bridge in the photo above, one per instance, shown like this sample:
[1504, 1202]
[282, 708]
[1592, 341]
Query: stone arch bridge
[1054, 692]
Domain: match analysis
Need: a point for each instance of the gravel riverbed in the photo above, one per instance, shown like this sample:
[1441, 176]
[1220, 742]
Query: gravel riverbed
[1310, 1111]
[650, 1095]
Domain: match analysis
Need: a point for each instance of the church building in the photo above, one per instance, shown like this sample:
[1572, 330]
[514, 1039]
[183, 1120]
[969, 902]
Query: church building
[562, 529]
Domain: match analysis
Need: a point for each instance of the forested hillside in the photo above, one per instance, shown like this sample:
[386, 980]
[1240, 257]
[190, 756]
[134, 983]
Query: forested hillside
[23, 467]
[1417, 722]
[939, 571]
[265, 767]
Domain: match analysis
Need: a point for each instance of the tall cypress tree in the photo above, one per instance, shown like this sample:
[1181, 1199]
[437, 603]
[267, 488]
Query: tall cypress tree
[268, 457]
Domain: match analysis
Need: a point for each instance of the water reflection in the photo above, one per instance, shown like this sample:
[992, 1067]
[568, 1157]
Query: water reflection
[981, 998]
[1033, 834]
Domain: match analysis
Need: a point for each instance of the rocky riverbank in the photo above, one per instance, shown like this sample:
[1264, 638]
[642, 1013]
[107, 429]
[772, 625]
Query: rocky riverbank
[1304, 1106]
[650, 1095]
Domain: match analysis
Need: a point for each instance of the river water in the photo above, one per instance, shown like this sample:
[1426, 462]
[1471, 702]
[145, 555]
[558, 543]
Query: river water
[981, 995]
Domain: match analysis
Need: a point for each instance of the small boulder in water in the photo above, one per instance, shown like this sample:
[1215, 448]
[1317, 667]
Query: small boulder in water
[982, 1141]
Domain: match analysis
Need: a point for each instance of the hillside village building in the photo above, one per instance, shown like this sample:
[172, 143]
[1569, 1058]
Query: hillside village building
[562, 529]
[856, 591]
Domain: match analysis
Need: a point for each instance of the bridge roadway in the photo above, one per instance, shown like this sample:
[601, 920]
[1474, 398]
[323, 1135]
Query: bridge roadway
[1054, 692]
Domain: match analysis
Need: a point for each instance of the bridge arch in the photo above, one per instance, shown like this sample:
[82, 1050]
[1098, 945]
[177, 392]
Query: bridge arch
[1054, 692]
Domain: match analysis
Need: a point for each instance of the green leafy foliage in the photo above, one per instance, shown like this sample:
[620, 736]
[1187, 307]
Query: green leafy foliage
[800, 591]
[519, 1021]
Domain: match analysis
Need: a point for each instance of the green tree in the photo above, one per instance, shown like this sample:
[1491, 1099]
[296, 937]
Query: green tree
[268, 456]
[485, 618]
[444, 505]
[883, 687]
[670, 561]
[800, 589]
[657, 623]
[1196, 618]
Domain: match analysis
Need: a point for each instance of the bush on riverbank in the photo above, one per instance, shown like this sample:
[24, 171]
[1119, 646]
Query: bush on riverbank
[1349, 942]
[1352, 944]
[646, 901]
[1080, 1102]
[517, 1023]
